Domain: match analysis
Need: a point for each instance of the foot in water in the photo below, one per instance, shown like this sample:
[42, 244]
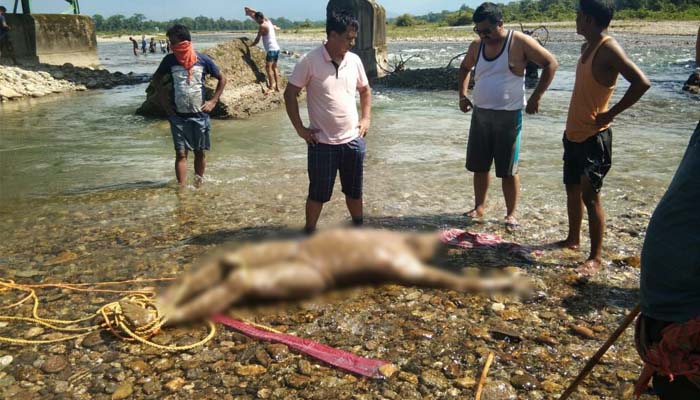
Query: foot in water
[589, 268]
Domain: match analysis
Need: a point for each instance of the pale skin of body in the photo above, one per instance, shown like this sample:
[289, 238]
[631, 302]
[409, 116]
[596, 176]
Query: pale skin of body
[609, 62]
[200, 161]
[337, 45]
[297, 269]
[523, 49]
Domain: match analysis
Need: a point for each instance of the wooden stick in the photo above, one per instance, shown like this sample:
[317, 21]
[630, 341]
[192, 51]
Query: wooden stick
[601, 352]
[484, 373]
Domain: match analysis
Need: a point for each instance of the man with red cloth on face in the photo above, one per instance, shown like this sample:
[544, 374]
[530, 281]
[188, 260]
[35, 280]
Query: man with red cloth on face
[188, 112]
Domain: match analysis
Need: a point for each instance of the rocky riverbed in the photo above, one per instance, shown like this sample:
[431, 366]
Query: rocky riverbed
[43, 80]
[439, 339]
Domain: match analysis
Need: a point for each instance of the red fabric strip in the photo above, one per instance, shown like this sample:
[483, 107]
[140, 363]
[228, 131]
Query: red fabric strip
[339, 358]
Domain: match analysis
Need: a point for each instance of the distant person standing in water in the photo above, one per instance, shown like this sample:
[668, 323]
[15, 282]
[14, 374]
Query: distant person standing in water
[135, 45]
[588, 137]
[144, 44]
[500, 57]
[5, 43]
[152, 45]
[272, 49]
[188, 112]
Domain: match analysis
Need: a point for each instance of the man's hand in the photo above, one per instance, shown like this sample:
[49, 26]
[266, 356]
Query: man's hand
[363, 126]
[465, 104]
[308, 134]
[604, 118]
[209, 105]
[533, 105]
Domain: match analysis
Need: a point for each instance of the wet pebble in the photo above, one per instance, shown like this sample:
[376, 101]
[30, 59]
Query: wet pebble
[123, 391]
[54, 364]
[152, 387]
[139, 367]
[262, 357]
[33, 332]
[250, 370]
[92, 340]
[297, 381]
[278, 351]
[5, 361]
[496, 390]
[434, 379]
[466, 382]
[175, 385]
[583, 332]
[525, 382]
[305, 367]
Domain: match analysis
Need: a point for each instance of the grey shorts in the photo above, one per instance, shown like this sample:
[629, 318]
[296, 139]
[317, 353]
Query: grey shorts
[190, 133]
[494, 136]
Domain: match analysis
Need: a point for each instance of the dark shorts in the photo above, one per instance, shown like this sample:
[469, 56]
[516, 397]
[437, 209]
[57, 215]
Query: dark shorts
[190, 133]
[325, 160]
[272, 56]
[647, 332]
[592, 159]
[494, 136]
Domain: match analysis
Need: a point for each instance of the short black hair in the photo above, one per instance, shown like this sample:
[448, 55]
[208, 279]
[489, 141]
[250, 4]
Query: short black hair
[488, 11]
[3, 9]
[601, 11]
[340, 21]
[180, 32]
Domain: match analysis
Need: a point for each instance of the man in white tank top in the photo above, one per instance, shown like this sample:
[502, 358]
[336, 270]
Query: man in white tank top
[266, 32]
[500, 57]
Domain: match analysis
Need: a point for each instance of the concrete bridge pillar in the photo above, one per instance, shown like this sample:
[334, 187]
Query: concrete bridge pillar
[371, 39]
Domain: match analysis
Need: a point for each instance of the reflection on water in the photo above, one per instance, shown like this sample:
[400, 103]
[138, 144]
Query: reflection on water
[88, 153]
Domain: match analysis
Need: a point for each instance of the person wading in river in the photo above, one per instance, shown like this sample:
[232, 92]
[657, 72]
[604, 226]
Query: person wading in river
[188, 113]
[588, 137]
[336, 136]
[500, 57]
[668, 330]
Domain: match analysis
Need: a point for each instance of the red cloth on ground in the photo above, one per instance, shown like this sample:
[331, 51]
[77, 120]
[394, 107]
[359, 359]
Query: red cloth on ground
[186, 56]
[678, 353]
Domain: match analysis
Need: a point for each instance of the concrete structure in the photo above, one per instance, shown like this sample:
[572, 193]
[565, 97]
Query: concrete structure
[371, 39]
[53, 39]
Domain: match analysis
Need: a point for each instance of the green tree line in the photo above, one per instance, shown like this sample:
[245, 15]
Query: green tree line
[561, 10]
[139, 23]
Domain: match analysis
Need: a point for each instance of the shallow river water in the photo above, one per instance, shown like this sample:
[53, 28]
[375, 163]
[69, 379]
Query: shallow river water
[81, 175]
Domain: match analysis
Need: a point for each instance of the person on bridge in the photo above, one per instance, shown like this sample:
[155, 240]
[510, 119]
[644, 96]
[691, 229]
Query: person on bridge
[266, 32]
[500, 57]
[5, 43]
[188, 112]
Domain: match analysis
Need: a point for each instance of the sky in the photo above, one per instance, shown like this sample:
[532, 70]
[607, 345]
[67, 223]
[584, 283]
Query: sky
[232, 9]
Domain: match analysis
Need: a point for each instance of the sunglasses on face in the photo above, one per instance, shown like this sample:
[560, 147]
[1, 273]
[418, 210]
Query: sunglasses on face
[486, 31]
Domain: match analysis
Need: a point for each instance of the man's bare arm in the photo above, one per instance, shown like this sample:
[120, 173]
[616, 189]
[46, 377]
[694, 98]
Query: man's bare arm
[544, 59]
[366, 107]
[465, 70]
[291, 103]
[617, 60]
[261, 32]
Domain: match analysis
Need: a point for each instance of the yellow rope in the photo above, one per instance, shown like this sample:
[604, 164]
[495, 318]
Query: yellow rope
[112, 315]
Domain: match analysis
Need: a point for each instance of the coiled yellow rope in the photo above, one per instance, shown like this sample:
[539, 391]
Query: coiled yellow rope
[112, 315]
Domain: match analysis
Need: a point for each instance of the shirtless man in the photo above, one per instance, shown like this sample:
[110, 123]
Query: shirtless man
[295, 269]
[588, 138]
[500, 57]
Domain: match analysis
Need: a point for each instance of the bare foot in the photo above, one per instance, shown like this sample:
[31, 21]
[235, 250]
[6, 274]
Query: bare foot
[277, 89]
[475, 213]
[565, 244]
[511, 223]
[590, 267]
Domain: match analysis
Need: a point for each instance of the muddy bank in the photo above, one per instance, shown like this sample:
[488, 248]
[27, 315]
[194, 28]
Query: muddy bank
[42, 80]
[244, 68]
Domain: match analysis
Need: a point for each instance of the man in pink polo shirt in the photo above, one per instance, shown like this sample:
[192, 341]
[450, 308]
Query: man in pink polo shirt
[335, 135]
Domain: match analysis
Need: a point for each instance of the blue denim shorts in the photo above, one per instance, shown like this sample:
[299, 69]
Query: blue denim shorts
[190, 133]
[272, 56]
[326, 160]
